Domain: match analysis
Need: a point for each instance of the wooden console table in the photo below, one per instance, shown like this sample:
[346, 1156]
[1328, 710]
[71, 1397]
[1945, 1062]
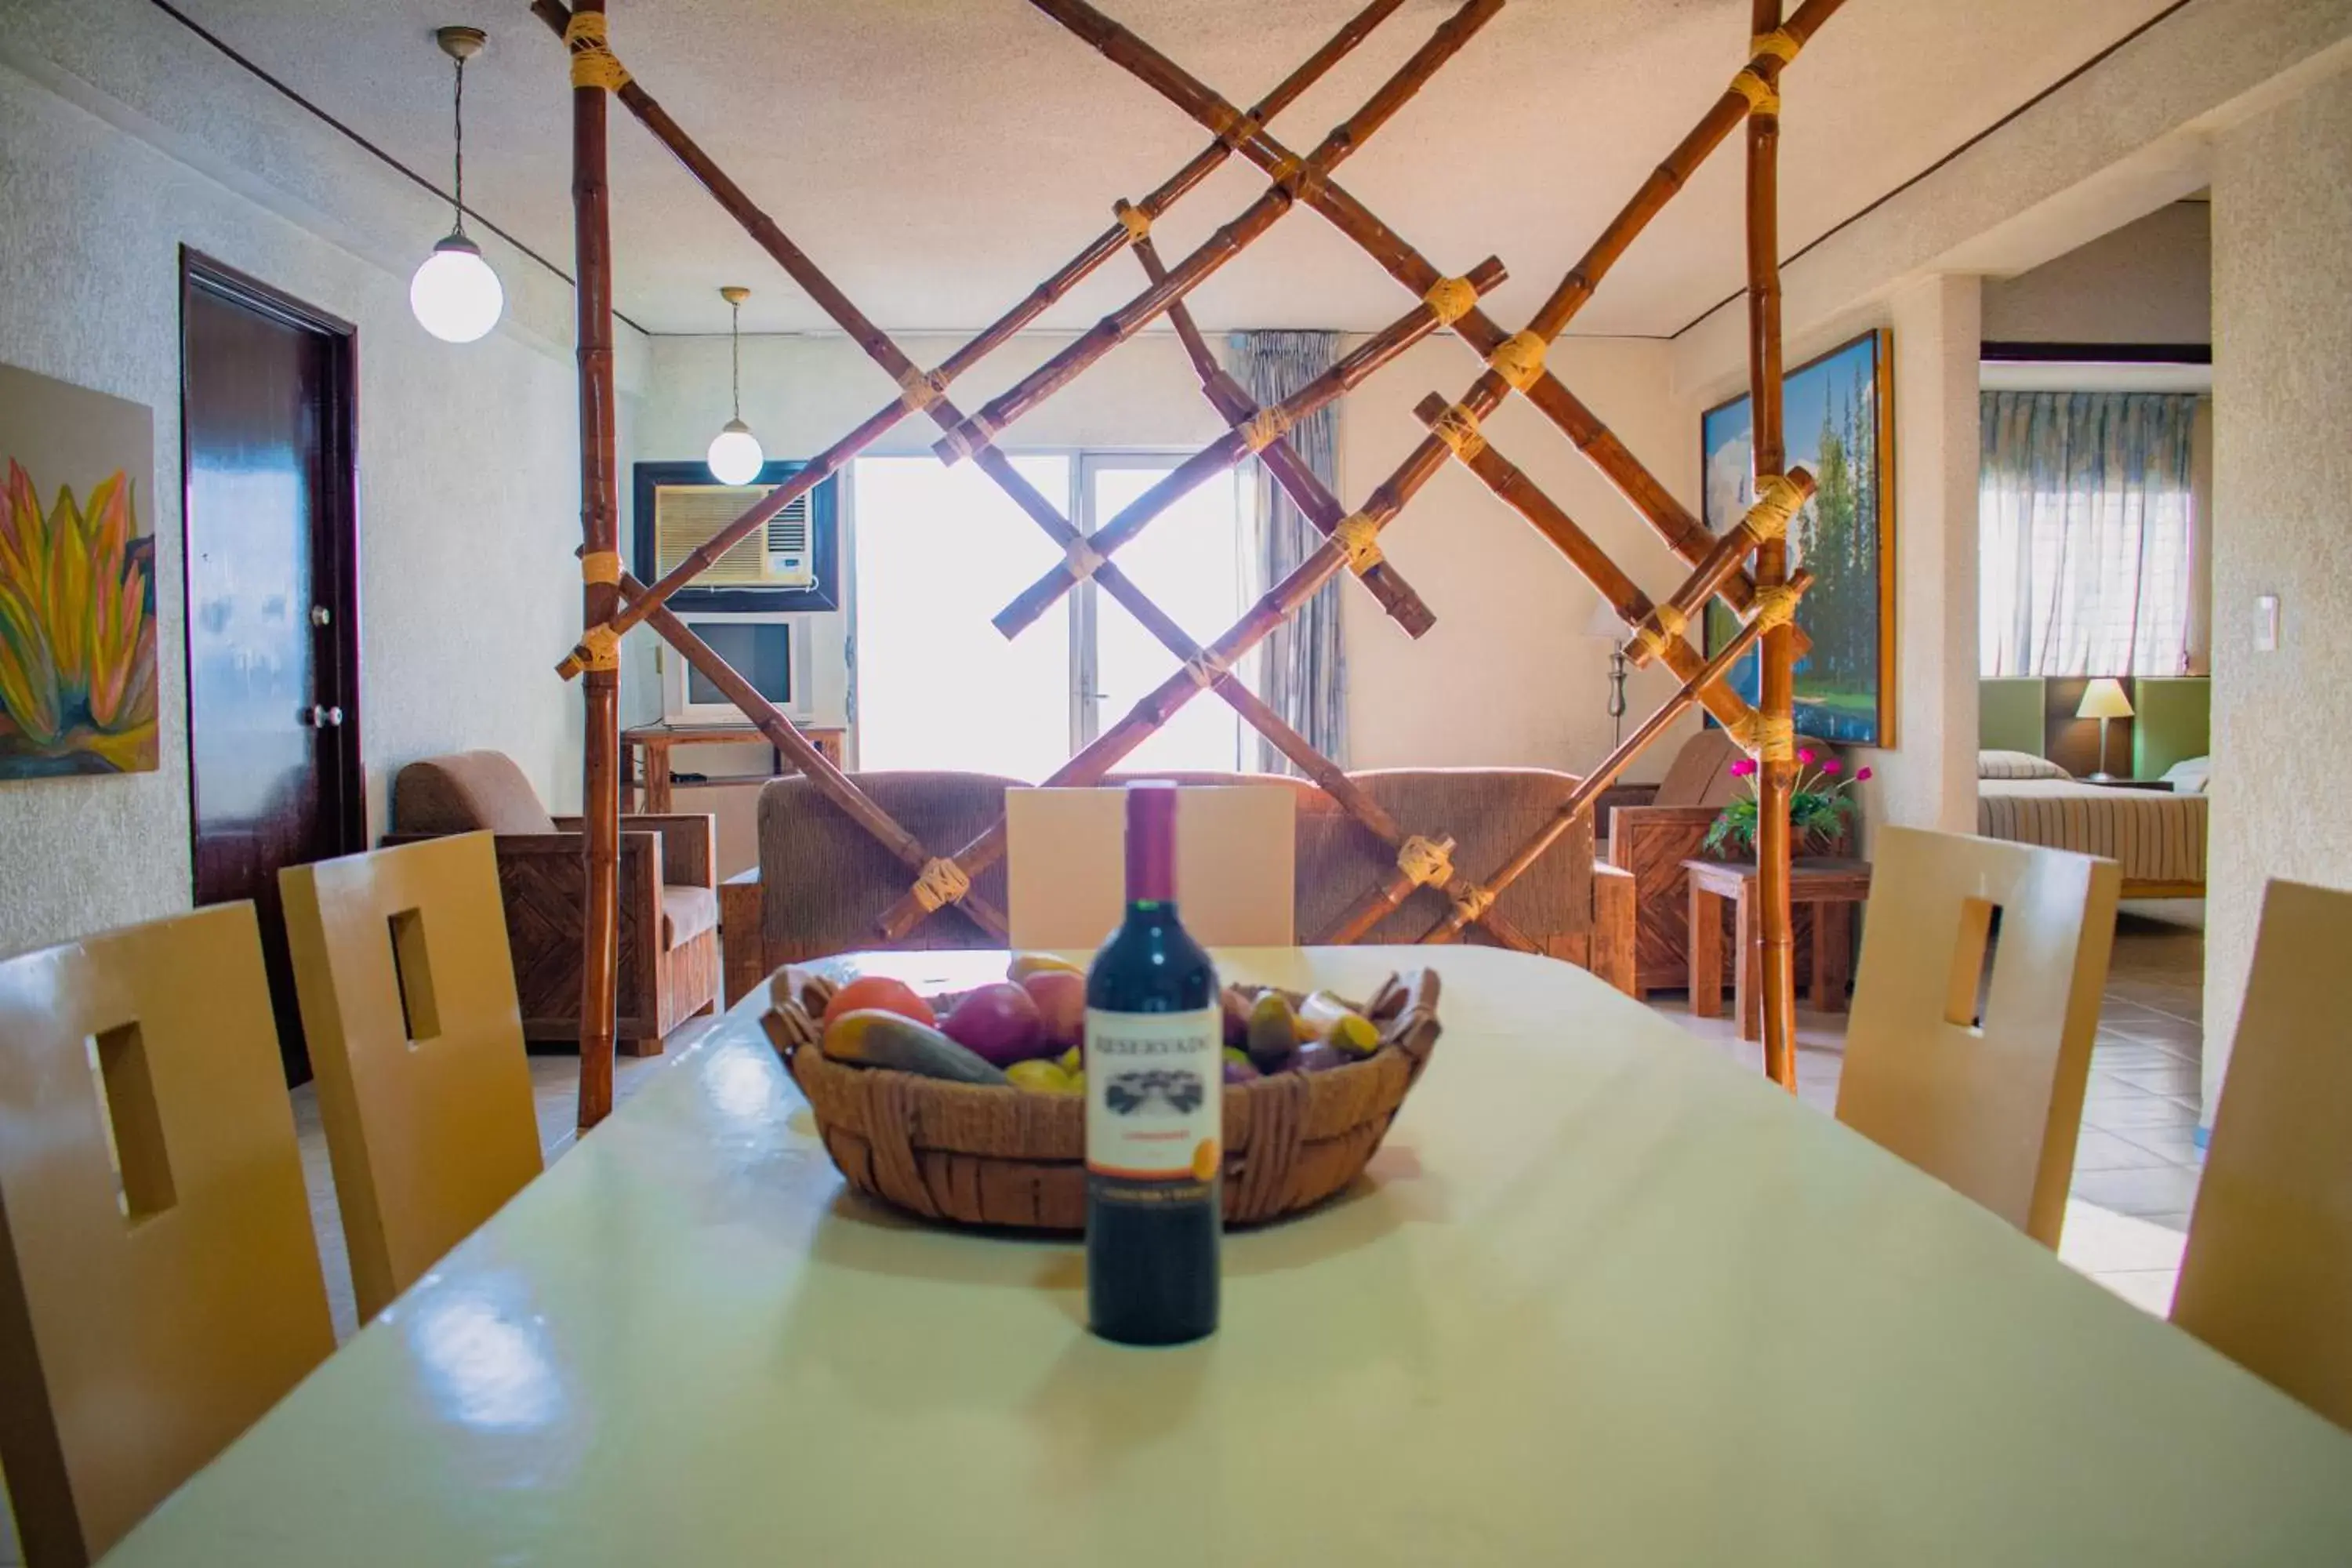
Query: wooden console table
[656, 740]
[1832, 886]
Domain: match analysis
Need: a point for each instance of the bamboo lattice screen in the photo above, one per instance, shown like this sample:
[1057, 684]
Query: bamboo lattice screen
[1512, 362]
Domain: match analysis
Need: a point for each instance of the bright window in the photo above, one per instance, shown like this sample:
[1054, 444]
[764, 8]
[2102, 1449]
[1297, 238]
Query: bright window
[940, 551]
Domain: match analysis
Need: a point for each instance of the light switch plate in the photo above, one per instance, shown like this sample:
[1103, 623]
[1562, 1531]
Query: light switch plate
[2267, 624]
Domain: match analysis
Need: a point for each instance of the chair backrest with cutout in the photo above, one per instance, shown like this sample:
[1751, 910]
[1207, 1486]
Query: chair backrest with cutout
[1237, 865]
[160, 1286]
[1975, 1073]
[408, 1000]
[2267, 1277]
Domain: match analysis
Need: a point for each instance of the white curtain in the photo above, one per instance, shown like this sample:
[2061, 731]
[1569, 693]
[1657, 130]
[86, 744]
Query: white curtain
[2088, 524]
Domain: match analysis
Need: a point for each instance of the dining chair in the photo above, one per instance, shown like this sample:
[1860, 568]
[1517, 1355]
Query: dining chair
[408, 1000]
[1065, 866]
[2267, 1276]
[1975, 1007]
[160, 1286]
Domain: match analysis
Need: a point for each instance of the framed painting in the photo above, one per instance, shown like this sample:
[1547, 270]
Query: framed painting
[1839, 418]
[76, 580]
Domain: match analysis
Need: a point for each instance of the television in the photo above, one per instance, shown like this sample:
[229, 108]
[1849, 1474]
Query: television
[770, 649]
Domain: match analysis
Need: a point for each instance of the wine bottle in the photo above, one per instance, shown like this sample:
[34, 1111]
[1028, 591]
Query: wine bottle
[1155, 1105]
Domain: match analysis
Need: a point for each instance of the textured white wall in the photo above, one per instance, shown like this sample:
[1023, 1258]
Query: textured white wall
[1507, 676]
[2147, 282]
[469, 489]
[2282, 402]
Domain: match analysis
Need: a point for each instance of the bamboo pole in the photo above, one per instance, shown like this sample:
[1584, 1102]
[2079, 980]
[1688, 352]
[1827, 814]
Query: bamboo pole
[786, 737]
[1776, 765]
[1590, 788]
[1110, 243]
[1684, 533]
[600, 925]
[1608, 579]
[1305, 487]
[1766, 519]
[1233, 446]
[1228, 241]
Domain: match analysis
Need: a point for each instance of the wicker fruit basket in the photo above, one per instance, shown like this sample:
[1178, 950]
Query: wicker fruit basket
[984, 1155]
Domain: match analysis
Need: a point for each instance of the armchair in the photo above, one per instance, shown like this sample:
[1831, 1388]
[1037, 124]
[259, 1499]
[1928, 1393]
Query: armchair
[669, 896]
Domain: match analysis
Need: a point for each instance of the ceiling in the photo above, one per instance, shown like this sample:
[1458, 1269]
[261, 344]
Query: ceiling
[939, 157]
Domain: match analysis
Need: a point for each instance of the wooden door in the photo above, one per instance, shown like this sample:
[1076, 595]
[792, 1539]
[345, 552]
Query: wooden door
[274, 774]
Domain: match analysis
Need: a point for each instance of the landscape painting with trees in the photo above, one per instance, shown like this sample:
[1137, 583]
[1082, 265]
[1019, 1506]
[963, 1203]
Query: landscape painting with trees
[1837, 428]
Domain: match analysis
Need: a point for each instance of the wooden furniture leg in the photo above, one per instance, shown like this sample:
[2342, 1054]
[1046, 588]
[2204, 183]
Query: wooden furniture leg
[1747, 979]
[657, 777]
[1705, 947]
[1832, 954]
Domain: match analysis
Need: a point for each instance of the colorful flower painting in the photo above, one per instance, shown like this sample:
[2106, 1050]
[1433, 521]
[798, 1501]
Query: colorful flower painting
[77, 583]
[1837, 414]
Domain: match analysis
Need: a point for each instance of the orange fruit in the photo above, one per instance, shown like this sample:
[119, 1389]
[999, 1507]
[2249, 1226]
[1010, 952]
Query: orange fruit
[883, 993]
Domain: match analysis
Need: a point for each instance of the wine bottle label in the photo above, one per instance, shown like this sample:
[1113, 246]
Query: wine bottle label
[1155, 1095]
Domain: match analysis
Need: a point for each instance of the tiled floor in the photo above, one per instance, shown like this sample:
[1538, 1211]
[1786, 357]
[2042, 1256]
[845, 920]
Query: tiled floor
[2136, 1161]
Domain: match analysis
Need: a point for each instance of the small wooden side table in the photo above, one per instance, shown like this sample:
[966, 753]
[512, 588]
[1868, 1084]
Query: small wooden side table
[656, 740]
[1832, 886]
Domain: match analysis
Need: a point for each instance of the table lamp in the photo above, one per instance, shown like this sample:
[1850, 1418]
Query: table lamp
[2103, 700]
[1604, 623]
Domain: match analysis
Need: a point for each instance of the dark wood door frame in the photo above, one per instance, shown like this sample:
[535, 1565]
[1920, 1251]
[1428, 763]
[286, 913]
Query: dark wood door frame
[336, 561]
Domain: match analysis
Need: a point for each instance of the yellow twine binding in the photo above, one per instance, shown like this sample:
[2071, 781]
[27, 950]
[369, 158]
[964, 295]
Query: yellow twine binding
[1428, 861]
[1762, 97]
[1265, 429]
[1205, 668]
[919, 390]
[1773, 740]
[599, 649]
[1134, 219]
[968, 437]
[1518, 359]
[1779, 499]
[601, 566]
[1779, 43]
[1662, 626]
[1359, 534]
[1451, 298]
[593, 63]
[1472, 907]
[1081, 558]
[1775, 605]
[943, 882]
[1458, 429]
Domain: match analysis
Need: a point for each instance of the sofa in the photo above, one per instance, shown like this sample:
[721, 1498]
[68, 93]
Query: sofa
[669, 896]
[822, 882]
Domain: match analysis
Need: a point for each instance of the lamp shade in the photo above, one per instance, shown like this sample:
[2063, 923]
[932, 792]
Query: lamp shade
[454, 295]
[1604, 622]
[735, 456]
[2104, 699]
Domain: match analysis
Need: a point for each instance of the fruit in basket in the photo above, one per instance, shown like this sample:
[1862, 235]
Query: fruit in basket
[1025, 965]
[1000, 1023]
[1061, 998]
[1237, 1004]
[879, 993]
[1353, 1036]
[1318, 1057]
[1073, 1060]
[874, 1037]
[1044, 1077]
[1273, 1033]
[1238, 1068]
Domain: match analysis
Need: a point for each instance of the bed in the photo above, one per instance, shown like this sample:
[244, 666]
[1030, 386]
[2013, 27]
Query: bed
[2156, 834]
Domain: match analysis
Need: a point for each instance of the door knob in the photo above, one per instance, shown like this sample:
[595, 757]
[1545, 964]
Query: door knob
[320, 718]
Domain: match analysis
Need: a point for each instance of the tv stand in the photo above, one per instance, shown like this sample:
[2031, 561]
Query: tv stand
[656, 740]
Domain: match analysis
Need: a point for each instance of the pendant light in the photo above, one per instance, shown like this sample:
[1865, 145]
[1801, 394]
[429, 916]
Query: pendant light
[455, 294]
[735, 456]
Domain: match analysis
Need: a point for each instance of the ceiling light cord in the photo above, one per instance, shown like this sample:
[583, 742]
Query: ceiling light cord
[459, 114]
[735, 337]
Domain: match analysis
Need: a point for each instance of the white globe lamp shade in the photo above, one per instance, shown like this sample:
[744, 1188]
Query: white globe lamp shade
[735, 456]
[455, 294]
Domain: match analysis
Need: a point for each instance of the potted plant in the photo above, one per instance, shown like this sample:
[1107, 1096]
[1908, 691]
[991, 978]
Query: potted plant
[1821, 808]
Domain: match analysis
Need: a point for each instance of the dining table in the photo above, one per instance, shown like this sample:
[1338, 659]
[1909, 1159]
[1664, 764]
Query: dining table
[1602, 1295]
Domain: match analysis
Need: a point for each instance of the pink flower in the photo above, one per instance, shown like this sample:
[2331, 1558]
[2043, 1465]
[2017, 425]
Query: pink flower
[1807, 755]
[1743, 767]
[1832, 766]
[1862, 775]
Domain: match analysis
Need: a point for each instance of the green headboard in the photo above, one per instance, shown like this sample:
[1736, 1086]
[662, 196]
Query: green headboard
[2010, 716]
[2174, 721]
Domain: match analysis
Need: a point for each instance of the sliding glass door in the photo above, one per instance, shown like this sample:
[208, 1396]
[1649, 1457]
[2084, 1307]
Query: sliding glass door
[940, 551]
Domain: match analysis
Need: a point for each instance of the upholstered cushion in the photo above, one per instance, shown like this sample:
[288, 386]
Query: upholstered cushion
[828, 881]
[1700, 774]
[686, 913]
[466, 792]
[2017, 766]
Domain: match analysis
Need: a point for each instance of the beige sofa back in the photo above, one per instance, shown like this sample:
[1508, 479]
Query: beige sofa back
[825, 882]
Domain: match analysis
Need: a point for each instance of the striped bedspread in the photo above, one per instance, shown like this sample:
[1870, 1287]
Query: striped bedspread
[2155, 835]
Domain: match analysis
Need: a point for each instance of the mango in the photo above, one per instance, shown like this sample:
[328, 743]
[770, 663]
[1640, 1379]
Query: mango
[1043, 1078]
[1025, 965]
[874, 1038]
[1354, 1037]
[1273, 1033]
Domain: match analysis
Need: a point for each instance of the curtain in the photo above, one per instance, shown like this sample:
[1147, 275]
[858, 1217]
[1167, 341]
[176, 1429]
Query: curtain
[1302, 670]
[2084, 503]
